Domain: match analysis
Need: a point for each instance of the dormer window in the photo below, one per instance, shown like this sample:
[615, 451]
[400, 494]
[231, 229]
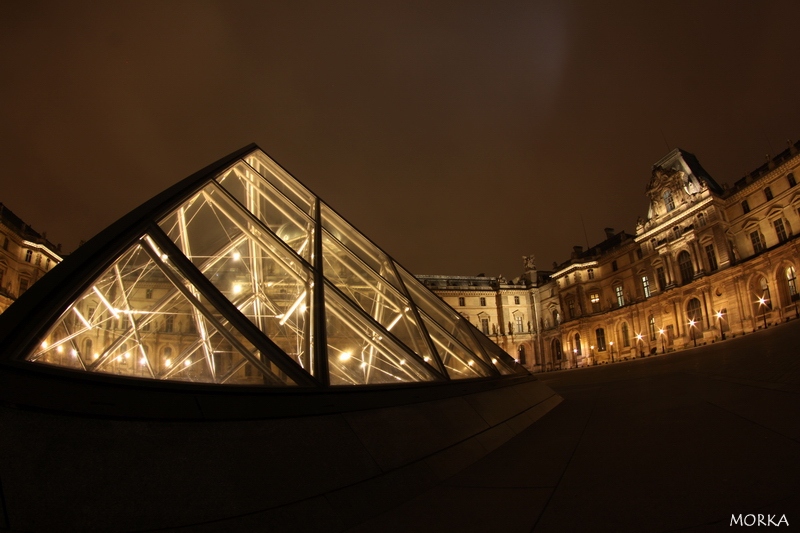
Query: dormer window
[669, 203]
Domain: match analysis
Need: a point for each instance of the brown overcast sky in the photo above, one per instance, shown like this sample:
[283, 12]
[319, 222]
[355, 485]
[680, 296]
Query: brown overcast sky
[457, 135]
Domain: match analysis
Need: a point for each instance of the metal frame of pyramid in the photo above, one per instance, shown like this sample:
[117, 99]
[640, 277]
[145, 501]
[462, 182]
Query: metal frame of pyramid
[240, 275]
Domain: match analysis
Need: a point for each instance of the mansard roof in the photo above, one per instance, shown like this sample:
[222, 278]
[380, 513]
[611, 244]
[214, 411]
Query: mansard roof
[679, 159]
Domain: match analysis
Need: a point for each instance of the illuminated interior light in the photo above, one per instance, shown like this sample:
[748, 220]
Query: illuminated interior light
[303, 308]
[44, 345]
[236, 256]
[187, 363]
[302, 247]
[143, 360]
[394, 322]
[73, 352]
[363, 365]
[344, 356]
[96, 356]
[60, 349]
[127, 355]
[168, 363]
[471, 363]
[293, 308]
[105, 302]
[237, 288]
[494, 361]
[402, 361]
[426, 358]
[82, 319]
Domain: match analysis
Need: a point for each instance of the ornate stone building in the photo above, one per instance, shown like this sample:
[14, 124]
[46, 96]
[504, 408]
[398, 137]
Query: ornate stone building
[708, 262]
[25, 256]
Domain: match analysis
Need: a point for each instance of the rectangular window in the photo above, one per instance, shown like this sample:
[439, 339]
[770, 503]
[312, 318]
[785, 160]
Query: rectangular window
[745, 206]
[768, 193]
[485, 326]
[595, 299]
[646, 286]
[601, 340]
[518, 320]
[571, 308]
[614, 265]
[662, 278]
[38, 259]
[780, 230]
[620, 296]
[638, 253]
[23, 285]
[5, 243]
[591, 273]
[483, 302]
[758, 241]
[516, 300]
[169, 324]
[791, 179]
[712, 257]
[148, 293]
[670, 333]
[28, 255]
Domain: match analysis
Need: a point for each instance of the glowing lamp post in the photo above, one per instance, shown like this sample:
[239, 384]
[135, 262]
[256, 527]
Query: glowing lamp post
[762, 302]
[691, 330]
[639, 341]
[611, 344]
[663, 345]
[719, 321]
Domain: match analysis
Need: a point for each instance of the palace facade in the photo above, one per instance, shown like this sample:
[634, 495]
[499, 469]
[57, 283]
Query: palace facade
[25, 256]
[707, 263]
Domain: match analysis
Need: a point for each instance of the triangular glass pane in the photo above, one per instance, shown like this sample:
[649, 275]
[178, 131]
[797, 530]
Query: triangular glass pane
[265, 280]
[504, 363]
[441, 313]
[361, 353]
[357, 243]
[459, 362]
[270, 207]
[134, 322]
[373, 294]
[281, 180]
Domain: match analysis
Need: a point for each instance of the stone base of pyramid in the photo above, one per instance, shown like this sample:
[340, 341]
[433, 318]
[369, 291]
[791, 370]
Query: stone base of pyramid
[78, 457]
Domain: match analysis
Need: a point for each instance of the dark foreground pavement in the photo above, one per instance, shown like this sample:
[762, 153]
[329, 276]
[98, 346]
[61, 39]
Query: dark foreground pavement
[675, 442]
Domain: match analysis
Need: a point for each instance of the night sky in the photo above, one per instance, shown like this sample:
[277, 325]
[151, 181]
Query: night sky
[459, 136]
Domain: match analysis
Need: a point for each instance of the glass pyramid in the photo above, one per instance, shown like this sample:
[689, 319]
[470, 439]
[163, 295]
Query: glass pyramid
[243, 276]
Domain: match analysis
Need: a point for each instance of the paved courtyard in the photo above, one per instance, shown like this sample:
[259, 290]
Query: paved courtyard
[675, 442]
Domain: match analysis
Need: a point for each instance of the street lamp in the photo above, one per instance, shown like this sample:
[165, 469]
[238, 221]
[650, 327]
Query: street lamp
[691, 330]
[762, 302]
[591, 353]
[639, 339]
[663, 346]
[720, 314]
[611, 344]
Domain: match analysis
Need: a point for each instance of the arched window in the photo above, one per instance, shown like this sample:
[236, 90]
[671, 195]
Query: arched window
[765, 292]
[556, 318]
[578, 344]
[791, 281]
[556, 349]
[625, 336]
[669, 203]
[601, 339]
[695, 313]
[685, 266]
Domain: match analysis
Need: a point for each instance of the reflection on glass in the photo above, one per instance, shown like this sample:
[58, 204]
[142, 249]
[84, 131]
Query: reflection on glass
[359, 354]
[281, 180]
[249, 265]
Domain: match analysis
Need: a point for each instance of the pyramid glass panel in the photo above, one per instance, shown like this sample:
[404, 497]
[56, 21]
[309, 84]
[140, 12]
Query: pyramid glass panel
[250, 266]
[134, 322]
[441, 313]
[373, 294]
[271, 208]
[357, 243]
[459, 362]
[359, 351]
[281, 180]
[218, 280]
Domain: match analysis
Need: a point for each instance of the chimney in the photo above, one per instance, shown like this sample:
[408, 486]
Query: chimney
[609, 232]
